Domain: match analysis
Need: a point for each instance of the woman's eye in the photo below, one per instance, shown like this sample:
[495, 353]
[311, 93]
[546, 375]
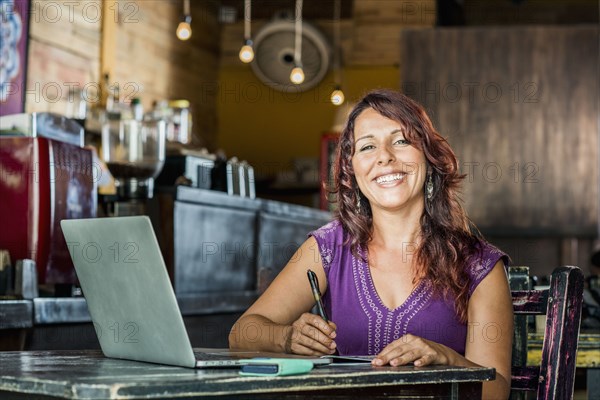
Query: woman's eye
[402, 142]
[367, 147]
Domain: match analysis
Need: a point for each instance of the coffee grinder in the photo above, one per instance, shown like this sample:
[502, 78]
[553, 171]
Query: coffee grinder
[134, 152]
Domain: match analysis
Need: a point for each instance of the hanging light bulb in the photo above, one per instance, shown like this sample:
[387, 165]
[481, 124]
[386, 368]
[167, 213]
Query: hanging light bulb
[297, 75]
[337, 96]
[247, 52]
[184, 29]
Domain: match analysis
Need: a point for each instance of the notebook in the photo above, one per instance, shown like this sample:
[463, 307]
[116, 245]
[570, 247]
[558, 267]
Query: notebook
[130, 299]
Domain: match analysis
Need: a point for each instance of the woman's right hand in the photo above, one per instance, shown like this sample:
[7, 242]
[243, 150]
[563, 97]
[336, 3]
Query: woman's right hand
[310, 335]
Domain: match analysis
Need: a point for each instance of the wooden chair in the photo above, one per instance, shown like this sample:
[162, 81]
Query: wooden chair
[562, 303]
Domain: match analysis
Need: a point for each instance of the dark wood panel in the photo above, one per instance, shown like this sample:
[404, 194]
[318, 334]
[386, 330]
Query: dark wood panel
[266, 9]
[477, 12]
[15, 314]
[203, 329]
[520, 108]
[215, 249]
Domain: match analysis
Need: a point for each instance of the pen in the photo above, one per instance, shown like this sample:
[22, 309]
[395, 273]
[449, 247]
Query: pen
[314, 285]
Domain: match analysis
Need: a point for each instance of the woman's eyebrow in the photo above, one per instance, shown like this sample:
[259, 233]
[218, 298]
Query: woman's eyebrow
[363, 137]
[395, 131]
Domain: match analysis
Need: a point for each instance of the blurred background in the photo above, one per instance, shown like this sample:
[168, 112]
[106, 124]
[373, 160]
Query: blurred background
[512, 84]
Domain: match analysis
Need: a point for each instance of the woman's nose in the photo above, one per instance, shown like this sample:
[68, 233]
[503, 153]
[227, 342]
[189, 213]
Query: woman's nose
[385, 156]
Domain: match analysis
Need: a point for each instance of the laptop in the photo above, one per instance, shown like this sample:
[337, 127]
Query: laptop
[130, 299]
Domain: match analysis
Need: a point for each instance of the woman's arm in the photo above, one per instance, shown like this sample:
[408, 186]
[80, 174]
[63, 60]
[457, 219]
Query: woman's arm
[489, 337]
[490, 334]
[279, 321]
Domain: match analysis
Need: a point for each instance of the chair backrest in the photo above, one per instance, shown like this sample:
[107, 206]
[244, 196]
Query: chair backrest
[554, 378]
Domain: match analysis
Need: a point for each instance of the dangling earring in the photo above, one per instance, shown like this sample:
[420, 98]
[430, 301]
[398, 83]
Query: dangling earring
[429, 188]
[358, 205]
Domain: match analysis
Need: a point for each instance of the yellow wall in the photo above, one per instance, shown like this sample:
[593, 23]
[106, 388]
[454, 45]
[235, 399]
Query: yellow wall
[269, 128]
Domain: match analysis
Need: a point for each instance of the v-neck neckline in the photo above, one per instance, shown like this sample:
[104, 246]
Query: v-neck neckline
[371, 284]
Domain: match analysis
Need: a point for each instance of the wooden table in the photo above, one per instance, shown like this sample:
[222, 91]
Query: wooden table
[89, 375]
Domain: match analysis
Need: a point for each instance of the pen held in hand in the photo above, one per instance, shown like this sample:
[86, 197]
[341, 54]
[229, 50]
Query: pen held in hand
[314, 285]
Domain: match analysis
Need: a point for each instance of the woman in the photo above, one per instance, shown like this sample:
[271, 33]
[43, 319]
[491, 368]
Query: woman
[403, 275]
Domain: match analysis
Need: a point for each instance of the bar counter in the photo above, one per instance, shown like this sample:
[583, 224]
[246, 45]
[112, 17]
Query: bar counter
[56, 310]
[64, 323]
[16, 314]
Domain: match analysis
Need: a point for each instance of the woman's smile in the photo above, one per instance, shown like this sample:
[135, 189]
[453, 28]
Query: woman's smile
[389, 170]
[390, 179]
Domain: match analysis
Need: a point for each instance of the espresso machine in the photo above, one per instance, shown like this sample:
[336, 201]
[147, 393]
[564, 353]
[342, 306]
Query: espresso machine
[134, 153]
[46, 175]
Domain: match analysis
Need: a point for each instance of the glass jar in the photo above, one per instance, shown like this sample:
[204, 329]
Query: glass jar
[134, 152]
[179, 124]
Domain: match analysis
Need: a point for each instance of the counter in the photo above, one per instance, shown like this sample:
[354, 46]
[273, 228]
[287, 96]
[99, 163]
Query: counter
[220, 251]
[48, 323]
[16, 314]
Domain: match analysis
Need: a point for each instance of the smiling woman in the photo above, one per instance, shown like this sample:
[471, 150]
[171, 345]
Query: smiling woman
[389, 172]
[403, 275]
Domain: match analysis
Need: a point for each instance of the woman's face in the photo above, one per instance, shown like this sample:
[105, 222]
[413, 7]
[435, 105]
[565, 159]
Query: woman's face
[389, 171]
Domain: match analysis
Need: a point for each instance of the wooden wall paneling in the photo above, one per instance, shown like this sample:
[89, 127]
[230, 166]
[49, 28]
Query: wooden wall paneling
[232, 37]
[65, 25]
[377, 25]
[399, 12]
[479, 12]
[375, 44]
[519, 110]
[51, 72]
[139, 50]
[346, 37]
[151, 58]
[63, 53]
[540, 254]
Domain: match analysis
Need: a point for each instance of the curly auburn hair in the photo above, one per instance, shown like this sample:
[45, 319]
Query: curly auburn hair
[448, 238]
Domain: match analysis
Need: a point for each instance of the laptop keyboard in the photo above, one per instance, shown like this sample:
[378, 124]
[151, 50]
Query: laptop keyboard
[215, 360]
[201, 355]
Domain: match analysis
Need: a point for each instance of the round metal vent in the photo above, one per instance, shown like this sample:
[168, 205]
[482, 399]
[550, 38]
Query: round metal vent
[274, 61]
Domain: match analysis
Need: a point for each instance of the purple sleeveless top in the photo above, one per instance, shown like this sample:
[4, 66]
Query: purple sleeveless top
[364, 324]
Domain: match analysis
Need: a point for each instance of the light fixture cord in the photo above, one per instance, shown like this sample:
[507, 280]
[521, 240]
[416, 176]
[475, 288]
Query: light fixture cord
[186, 8]
[336, 40]
[298, 49]
[247, 16]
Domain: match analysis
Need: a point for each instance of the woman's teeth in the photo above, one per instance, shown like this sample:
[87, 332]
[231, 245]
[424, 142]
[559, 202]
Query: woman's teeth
[389, 178]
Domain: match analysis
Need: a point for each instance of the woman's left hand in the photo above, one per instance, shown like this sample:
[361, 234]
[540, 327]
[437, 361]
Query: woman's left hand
[411, 348]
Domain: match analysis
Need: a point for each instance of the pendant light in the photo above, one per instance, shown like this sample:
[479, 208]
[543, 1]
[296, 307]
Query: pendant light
[337, 96]
[297, 75]
[184, 30]
[247, 52]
